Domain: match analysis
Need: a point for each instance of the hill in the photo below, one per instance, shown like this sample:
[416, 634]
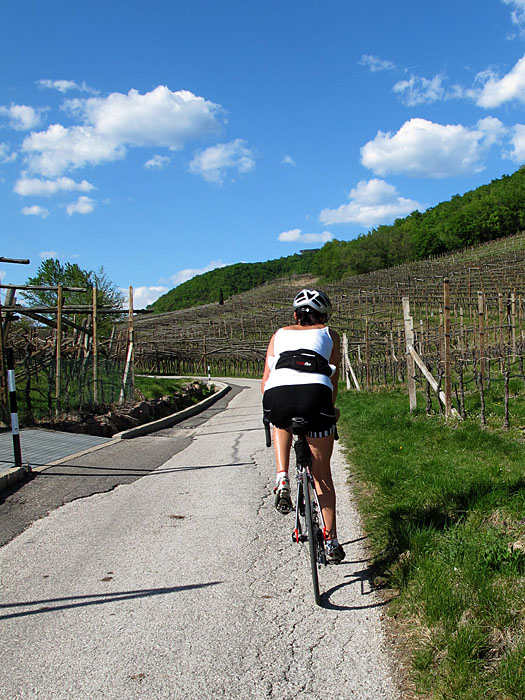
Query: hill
[487, 213]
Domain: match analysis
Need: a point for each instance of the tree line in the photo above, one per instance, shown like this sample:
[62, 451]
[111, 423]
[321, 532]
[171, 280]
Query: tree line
[491, 211]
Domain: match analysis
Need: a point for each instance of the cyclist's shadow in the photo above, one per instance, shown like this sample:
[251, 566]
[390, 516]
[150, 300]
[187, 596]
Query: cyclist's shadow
[364, 577]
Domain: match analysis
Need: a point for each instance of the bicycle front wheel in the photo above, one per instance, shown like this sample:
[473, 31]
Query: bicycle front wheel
[310, 528]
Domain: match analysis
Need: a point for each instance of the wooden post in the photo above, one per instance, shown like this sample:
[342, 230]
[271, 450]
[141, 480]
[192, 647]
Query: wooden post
[95, 348]
[446, 345]
[367, 354]
[131, 338]
[4, 394]
[513, 321]
[60, 303]
[501, 319]
[409, 342]
[481, 331]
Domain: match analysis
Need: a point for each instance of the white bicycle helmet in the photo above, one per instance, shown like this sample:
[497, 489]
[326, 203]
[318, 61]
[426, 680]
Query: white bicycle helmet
[313, 300]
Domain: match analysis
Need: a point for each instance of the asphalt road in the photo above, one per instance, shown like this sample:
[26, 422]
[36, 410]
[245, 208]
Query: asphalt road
[183, 582]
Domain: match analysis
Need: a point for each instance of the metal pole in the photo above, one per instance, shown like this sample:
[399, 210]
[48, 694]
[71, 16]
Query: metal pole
[15, 429]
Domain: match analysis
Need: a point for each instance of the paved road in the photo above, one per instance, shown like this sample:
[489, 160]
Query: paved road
[185, 584]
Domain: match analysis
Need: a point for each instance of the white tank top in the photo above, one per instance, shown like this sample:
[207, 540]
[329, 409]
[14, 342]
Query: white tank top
[318, 339]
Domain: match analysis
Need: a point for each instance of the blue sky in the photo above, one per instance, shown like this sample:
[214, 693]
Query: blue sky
[162, 139]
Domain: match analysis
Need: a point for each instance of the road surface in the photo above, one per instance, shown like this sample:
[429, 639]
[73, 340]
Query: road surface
[185, 583]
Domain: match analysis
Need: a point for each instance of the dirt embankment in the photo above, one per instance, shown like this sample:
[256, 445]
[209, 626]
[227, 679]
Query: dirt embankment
[114, 419]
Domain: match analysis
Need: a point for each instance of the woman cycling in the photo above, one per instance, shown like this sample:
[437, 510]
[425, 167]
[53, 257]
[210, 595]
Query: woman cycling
[292, 387]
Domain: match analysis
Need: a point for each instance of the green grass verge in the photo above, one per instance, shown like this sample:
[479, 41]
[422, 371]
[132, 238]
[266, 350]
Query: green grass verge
[155, 387]
[444, 506]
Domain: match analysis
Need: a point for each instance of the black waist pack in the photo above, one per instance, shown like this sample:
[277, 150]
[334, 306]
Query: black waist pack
[304, 361]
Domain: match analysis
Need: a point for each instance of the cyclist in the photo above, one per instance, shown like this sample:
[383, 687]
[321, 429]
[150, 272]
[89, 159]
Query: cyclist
[300, 379]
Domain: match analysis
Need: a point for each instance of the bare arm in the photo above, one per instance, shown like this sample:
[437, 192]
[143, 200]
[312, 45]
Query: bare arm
[335, 359]
[266, 373]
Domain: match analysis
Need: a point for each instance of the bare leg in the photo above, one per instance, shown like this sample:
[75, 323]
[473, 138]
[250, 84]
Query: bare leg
[282, 443]
[322, 449]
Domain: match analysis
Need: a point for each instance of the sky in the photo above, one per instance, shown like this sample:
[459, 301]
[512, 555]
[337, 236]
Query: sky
[163, 139]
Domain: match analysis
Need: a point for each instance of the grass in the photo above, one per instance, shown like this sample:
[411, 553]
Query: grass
[155, 387]
[444, 505]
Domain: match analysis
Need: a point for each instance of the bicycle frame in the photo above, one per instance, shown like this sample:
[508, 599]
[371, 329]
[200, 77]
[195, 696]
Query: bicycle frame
[309, 522]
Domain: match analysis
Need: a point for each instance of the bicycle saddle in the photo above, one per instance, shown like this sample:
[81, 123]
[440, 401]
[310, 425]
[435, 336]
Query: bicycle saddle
[299, 424]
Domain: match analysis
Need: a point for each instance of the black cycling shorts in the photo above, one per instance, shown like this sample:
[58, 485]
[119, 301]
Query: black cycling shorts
[313, 402]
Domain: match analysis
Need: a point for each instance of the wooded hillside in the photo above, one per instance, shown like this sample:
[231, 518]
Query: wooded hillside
[489, 212]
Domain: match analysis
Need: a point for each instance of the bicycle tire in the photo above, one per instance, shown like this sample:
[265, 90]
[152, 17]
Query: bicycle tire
[311, 537]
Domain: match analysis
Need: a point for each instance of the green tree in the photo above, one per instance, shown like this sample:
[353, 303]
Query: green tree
[53, 273]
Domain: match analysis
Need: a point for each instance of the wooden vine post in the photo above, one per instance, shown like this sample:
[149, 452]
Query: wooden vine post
[95, 348]
[4, 396]
[446, 346]
[58, 374]
[481, 332]
[409, 342]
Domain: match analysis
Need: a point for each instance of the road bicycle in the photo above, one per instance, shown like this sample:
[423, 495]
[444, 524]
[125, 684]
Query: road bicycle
[309, 523]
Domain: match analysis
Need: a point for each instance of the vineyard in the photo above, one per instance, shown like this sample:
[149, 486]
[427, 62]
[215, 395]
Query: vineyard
[468, 336]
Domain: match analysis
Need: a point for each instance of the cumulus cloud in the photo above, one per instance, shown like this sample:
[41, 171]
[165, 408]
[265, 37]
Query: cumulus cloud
[33, 187]
[371, 203]
[376, 64]
[143, 296]
[518, 144]
[21, 117]
[188, 273]
[518, 13]
[288, 160]
[5, 155]
[157, 162]
[496, 91]
[214, 162]
[83, 205]
[425, 149]
[297, 236]
[418, 90]
[35, 210]
[157, 118]
[64, 86]
[59, 148]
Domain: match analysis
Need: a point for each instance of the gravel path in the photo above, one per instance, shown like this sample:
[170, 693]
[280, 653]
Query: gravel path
[186, 584]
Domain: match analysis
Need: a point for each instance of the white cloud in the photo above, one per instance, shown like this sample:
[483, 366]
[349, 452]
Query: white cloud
[83, 205]
[213, 162]
[288, 160]
[5, 156]
[424, 149]
[157, 162]
[418, 90]
[518, 14]
[376, 64]
[496, 91]
[46, 254]
[157, 118]
[188, 273]
[59, 148]
[35, 210]
[143, 296]
[297, 236]
[371, 203]
[64, 86]
[518, 144]
[33, 187]
[21, 117]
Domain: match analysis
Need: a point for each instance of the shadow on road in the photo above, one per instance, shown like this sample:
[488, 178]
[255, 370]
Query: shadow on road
[364, 576]
[98, 599]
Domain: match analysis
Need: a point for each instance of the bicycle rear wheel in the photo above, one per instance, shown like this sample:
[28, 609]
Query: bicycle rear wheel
[312, 534]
